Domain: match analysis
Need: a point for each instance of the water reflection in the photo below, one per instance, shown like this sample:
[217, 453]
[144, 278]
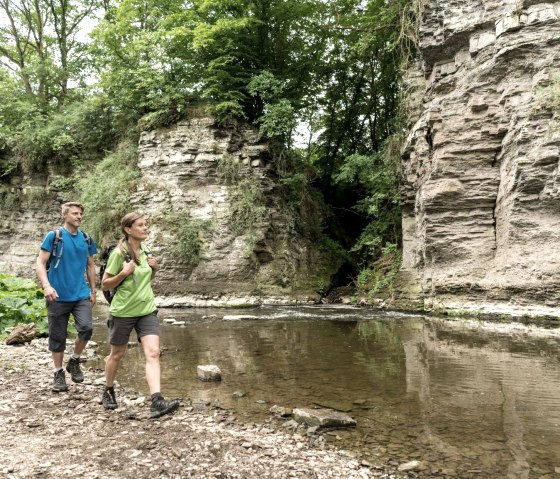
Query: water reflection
[467, 401]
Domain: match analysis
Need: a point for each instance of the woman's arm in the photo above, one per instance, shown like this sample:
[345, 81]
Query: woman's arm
[110, 281]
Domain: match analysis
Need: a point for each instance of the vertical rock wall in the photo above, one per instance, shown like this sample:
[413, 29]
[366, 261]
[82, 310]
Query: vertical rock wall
[181, 173]
[26, 214]
[481, 196]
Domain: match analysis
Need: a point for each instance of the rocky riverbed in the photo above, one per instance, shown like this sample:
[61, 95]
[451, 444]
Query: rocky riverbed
[50, 435]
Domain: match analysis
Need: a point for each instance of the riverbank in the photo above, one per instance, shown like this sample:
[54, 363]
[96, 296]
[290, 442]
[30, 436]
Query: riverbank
[52, 435]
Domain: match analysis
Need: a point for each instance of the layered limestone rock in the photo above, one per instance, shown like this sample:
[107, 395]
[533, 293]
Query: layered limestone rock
[185, 172]
[481, 196]
[26, 214]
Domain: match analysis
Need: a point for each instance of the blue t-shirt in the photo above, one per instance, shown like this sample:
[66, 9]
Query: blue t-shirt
[68, 278]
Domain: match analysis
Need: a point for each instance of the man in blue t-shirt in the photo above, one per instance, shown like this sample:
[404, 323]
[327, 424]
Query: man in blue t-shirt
[63, 278]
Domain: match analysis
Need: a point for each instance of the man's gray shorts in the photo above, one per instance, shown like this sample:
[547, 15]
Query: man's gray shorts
[59, 313]
[120, 328]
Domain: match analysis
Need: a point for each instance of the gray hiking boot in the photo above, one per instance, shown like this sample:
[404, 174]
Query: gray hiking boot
[73, 367]
[109, 399]
[162, 406]
[59, 384]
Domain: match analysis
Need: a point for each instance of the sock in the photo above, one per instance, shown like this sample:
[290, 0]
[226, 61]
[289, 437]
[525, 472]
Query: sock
[156, 397]
[110, 388]
[75, 356]
[57, 369]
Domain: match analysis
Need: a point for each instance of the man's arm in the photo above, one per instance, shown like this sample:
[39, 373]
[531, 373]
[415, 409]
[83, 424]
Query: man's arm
[50, 292]
[90, 273]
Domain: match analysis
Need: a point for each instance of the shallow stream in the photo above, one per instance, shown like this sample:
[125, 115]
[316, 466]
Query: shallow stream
[470, 399]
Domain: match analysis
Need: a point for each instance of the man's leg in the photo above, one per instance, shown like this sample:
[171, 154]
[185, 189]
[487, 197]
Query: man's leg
[58, 314]
[82, 311]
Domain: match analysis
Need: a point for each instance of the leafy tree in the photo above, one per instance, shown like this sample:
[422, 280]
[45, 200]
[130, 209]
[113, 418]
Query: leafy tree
[39, 43]
[43, 65]
[141, 71]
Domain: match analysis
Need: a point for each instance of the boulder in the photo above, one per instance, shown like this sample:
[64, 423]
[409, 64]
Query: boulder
[21, 334]
[209, 372]
[323, 417]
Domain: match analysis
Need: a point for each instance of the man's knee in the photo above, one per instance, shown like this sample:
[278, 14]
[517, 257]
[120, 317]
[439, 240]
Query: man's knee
[85, 335]
[57, 342]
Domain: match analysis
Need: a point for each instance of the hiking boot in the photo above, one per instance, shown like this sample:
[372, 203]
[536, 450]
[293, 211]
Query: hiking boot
[73, 367]
[109, 399]
[163, 406]
[59, 384]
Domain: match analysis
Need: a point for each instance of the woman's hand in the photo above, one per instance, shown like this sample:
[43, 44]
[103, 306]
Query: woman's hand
[128, 268]
[153, 262]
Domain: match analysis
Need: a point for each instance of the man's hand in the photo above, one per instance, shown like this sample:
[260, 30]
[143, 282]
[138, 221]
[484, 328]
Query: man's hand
[50, 293]
[93, 296]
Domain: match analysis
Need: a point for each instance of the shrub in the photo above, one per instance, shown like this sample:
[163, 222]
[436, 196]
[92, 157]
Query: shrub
[21, 301]
[188, 243]
[105, 194]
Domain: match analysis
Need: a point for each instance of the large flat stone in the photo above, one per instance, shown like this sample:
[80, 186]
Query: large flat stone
[323, 417]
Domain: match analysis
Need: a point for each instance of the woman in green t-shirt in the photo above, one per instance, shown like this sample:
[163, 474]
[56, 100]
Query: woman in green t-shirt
[130, 270]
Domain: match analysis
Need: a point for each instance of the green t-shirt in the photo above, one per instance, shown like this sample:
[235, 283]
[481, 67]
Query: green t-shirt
[134, 296]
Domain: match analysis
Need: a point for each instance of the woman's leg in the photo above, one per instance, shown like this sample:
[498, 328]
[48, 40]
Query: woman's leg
[150, 344]
[112, 364]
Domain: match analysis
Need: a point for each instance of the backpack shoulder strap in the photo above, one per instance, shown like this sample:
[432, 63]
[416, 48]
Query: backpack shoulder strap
[126, 254]
[57, 239]
[87, 237]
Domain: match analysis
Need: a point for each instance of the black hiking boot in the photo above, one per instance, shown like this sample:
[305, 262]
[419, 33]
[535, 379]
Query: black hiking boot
[59, 384]
[109, 399]
[162, 406]
[73, 367]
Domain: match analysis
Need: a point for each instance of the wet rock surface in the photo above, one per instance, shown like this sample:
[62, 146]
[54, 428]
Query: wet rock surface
[47, 434]
[480, 166]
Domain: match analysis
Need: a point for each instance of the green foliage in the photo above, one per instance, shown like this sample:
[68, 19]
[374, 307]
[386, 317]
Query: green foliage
[105, 193]
[64, 138]
[278, 119]
[377, 278]
[21, 301]
[141, 52]
[9, 200]
[376, 177]
[247, 208]
[228, 170]
[188, 231]
[548, 97]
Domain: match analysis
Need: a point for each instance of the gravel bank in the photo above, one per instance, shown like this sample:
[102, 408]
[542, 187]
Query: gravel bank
[50, 435]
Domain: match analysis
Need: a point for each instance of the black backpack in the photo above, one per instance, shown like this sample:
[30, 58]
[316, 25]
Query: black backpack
[58, 239]
[110, 294]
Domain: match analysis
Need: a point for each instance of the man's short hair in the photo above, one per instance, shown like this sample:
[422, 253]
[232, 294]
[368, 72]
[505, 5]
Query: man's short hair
[71, 204]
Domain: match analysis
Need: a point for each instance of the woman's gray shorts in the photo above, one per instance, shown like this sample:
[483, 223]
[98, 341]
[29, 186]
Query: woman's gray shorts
[120, 328]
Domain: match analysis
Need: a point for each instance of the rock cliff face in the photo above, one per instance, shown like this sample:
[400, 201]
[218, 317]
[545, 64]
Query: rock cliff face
[27, 212]
[184, 191]
[185, 169]
[481, 197]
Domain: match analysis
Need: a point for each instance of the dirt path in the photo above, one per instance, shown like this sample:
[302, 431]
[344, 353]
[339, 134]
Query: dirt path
[50, 435]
